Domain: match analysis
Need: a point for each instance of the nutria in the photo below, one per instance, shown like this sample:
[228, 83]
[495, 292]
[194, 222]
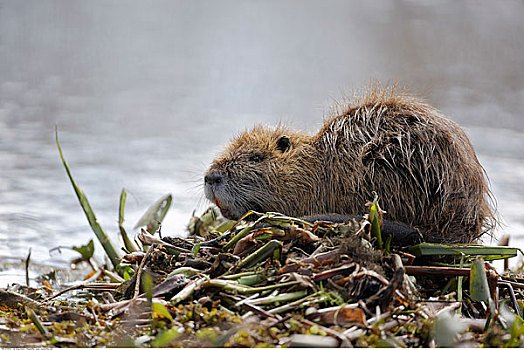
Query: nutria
[421, 164]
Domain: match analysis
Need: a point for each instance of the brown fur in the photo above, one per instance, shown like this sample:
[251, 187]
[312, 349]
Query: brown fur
[421, 164]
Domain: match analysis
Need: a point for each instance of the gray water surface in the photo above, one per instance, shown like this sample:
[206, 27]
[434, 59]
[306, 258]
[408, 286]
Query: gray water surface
[146, 93]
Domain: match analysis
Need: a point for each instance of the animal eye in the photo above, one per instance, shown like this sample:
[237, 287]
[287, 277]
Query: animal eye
[256, 158]
[283, 144]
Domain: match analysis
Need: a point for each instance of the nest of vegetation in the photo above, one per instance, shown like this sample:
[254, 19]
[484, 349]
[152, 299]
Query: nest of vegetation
[275, 281]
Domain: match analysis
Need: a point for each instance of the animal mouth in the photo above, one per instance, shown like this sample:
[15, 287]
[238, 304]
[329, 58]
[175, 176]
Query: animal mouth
[218, 203]
[223, 209]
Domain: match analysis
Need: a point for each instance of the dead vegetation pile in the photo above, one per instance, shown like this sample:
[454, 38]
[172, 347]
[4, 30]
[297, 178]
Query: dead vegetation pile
[276, 281]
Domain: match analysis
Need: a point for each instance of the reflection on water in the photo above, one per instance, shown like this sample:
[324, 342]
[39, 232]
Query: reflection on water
[145, 94]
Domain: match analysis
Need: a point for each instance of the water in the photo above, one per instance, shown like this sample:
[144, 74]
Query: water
[146, 93]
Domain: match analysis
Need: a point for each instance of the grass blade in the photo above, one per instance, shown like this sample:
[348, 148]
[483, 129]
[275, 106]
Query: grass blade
[280, 298]
[487, 253]
[460, 279]
[33, 317]
[27, 260]
[90, 215]
[130, 246]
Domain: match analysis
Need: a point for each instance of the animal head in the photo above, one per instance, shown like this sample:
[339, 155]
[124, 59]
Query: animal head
[252, 173]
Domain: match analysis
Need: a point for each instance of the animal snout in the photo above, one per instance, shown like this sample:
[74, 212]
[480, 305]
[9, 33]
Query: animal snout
[213, 178]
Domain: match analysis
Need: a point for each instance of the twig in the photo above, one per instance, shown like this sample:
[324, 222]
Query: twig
[147, 239]
[406, 284]
[215, 242]
[112, 275]
[86, 285]
[301, 302]
[102, 286]
[12, 298]
[243, 289]
[344, 341]
[392, 324]
[353, 333]
[94, 276]
[107, 307]
[317, 260]
[281, 320]
[245, 300]
[353, 267]
[78, 286]
[493, 280]
[514, 284]
[509, 287]
[188, 289]
[119, 307]
[437, 270]
[141, 268]
[260, 311]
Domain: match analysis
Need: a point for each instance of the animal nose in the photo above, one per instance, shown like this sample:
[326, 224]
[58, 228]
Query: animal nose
[213, 178]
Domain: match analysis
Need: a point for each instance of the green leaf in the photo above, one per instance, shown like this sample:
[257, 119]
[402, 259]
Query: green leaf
[375, 222]
[164, 339]
[244, 232]
[270, 218]
[147, 285]
[121, 206]
[261, 254]
[478, 282]
[209, 216]
[158, 309]
[90, 215]
[27, 261]
[487, 253]
[225, 226]
[251, 279]
[516, 332]
[34, 317]
[195, 249]
[124, 271]
[86, 251]
[280, 298]
[155, 214]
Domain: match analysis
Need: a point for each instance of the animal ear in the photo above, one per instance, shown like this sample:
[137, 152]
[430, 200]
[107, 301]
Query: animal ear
[283, 144]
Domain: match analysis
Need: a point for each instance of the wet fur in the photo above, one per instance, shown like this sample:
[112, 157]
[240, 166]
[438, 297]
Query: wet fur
[420, 163]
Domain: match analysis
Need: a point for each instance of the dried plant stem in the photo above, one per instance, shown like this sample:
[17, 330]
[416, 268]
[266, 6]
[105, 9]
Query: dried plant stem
[311, 299]
[188, 289]
[141, 268]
